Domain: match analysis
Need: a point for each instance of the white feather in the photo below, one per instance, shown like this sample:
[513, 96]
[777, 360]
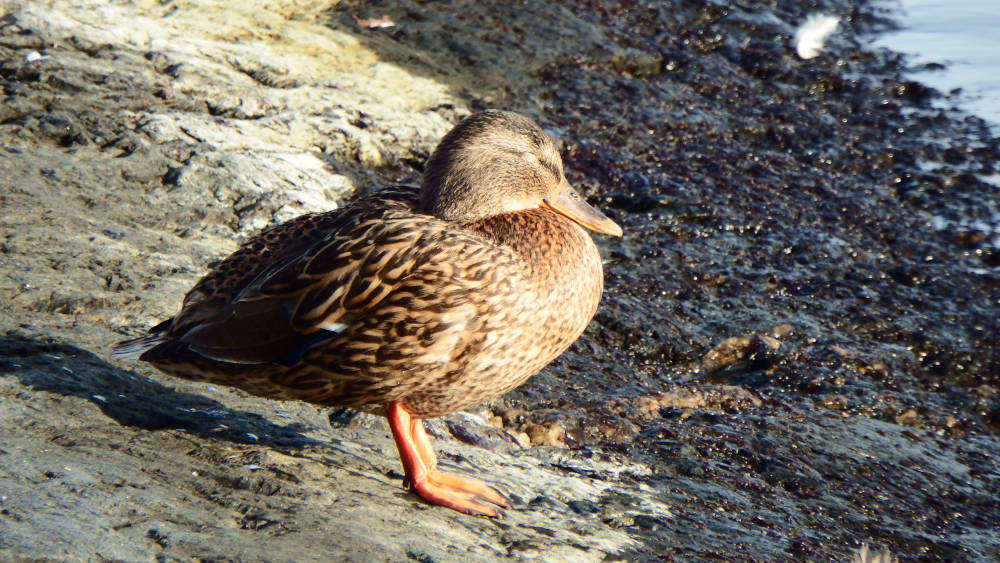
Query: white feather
[812, 34]
[333, 327]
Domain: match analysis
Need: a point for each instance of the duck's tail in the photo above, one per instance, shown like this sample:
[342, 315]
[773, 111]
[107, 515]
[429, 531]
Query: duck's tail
[132, 349]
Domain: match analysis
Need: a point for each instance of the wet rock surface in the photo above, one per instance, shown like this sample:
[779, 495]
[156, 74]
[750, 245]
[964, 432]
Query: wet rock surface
[797, 351]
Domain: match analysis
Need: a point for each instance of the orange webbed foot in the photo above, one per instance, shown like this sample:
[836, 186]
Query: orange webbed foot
[459, 493]
[466, 495]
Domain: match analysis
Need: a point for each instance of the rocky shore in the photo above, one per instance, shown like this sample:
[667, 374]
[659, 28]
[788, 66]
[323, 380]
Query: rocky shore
[797, 352]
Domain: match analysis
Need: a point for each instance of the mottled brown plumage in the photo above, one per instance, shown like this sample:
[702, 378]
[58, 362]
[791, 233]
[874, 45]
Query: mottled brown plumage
[411, 303]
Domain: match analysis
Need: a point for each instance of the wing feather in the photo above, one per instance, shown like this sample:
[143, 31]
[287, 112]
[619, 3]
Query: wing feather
[321, 284]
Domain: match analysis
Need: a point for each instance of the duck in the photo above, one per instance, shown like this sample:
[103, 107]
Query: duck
[413, 302]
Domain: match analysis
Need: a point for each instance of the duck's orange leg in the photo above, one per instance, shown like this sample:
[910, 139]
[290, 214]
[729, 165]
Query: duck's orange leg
[420, 466]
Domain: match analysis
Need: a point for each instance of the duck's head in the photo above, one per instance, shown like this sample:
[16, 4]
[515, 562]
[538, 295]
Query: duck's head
[497, 162]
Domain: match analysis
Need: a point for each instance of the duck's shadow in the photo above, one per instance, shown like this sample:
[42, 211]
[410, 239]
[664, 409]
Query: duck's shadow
[134, 400]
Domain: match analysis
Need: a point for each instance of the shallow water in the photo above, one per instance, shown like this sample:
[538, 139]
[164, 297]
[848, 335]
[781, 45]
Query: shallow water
[960, 35]
[954, 48]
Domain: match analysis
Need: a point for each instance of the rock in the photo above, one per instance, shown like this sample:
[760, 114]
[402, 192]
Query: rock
[550, 434]
[743, 350]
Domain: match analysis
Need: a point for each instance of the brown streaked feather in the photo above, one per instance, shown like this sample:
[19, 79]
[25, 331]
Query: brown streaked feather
[279, 245]
[277, 309]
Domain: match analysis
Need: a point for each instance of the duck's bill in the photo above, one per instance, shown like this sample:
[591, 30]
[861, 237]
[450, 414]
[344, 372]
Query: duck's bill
[570, 204]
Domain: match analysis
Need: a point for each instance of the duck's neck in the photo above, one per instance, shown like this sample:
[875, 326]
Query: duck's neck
[555, 251]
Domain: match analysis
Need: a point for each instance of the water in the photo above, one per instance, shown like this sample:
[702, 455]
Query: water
[963, 35]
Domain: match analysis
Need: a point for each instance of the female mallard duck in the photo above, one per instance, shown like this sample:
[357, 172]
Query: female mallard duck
[404, 303]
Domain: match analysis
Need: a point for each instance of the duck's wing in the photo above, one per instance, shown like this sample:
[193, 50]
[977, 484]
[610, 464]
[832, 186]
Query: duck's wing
[228, 278]
[318, 289]
[280, 245]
